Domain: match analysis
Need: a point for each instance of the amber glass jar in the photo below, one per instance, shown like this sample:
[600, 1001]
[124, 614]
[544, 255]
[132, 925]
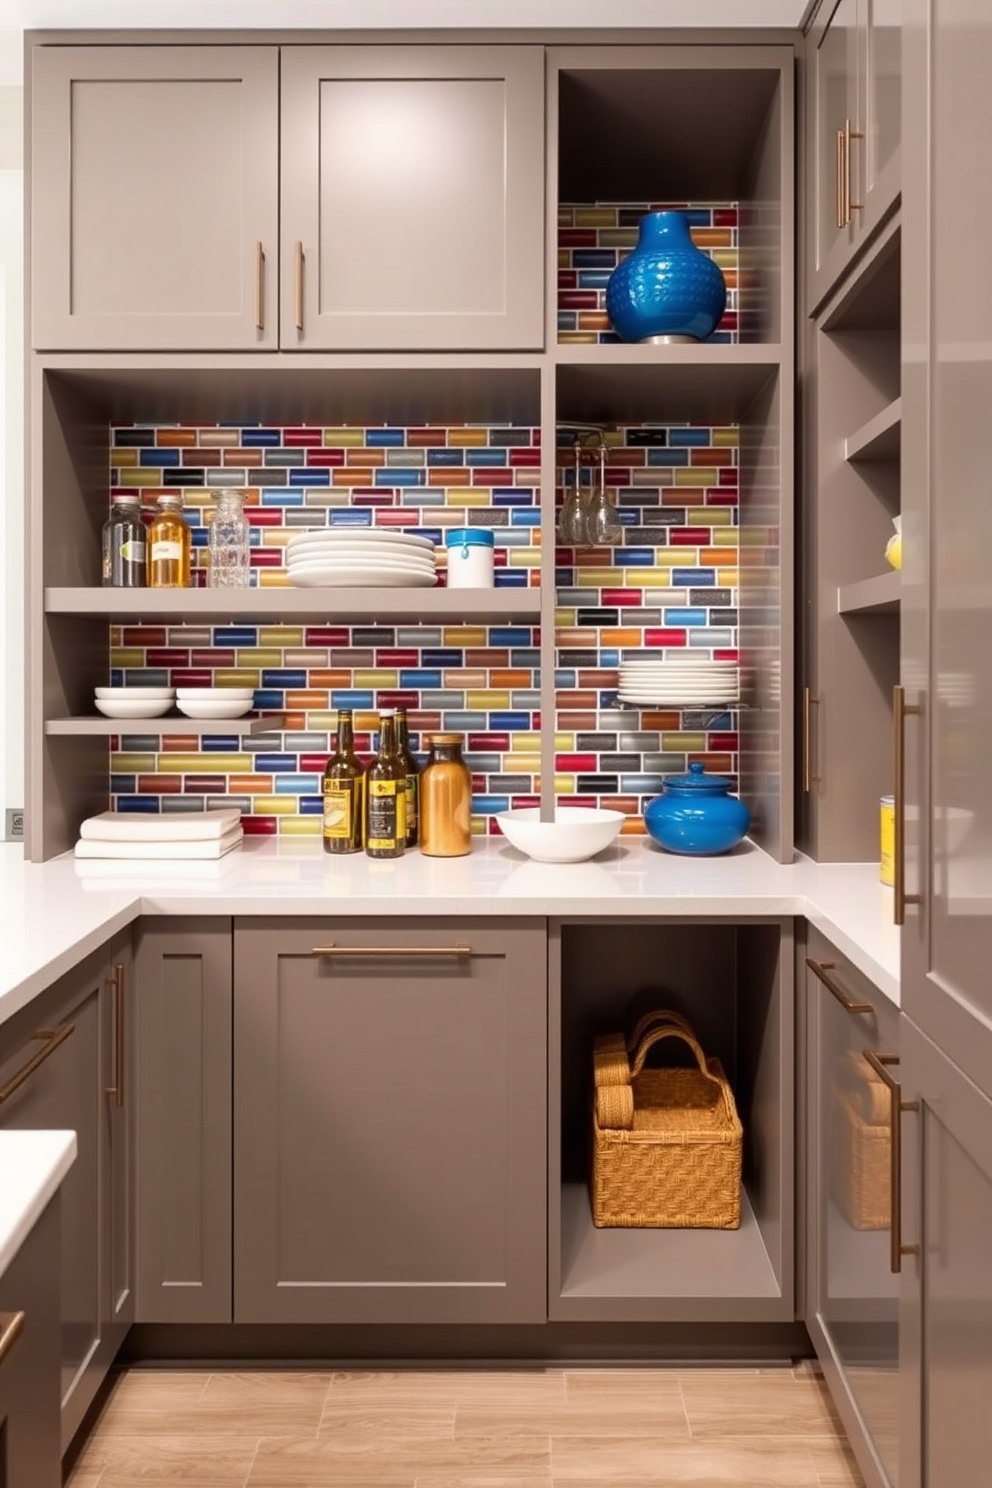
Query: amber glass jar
[168, 546]
[446, 800]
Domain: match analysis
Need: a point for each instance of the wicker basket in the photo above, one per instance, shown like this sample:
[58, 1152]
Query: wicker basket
[666, 1142]
[861, 1149]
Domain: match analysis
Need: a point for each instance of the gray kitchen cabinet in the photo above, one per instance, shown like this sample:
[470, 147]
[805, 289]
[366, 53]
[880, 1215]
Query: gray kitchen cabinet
[154, 198]
[947, 516]
[183, 1121]
[390, 1151]
[61, 1059]
[852, 1296]
[29, 1359]
[854, 130]
[412, 198]
[946, 1289]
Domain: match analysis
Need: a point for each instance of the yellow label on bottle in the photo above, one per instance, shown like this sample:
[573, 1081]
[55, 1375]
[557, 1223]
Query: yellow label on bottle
[386, 815]
[339, 808]
[887, 814]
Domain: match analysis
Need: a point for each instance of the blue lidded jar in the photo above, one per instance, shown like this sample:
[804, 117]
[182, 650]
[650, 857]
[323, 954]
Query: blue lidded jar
[696, 815]
[471, 556]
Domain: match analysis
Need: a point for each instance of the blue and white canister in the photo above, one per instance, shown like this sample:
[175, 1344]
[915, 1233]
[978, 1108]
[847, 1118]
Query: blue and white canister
[471, 554]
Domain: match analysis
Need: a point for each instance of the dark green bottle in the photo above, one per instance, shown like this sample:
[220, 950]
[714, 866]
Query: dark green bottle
[412, 778]
[385, 795]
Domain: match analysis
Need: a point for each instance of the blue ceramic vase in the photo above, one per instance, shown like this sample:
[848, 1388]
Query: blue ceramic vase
[667, 289]
[695, 815]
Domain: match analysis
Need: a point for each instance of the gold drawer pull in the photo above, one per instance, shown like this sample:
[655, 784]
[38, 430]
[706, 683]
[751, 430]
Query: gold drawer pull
[299, 286]
[901, 710]
[52, 1038]
[820, 969]
[11, 1328]
[878, 1063]
[117, 982]
[809, 779]
[336, 950]
[259, 287]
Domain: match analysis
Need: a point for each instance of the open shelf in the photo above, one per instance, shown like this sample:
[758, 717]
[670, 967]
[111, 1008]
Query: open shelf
[278, 602]
[880, 438]
[171, 723]
[875, 596]
[629, 384]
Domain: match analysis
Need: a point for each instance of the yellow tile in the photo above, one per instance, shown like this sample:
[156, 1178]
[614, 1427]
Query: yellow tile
[525, 743]
[274, 805]
[566, 216]
[144, 476]
[564, 258]
[464, 635]
[322, 723]
[595, 216]
[576, 338]
[462, 438]
[116, 634]
[205, 764]
[524, 558]
[725, 537]
[709, 516]
[601, 578]
[678, 741]
[564, 785]
[728, 437]
[300, 826]
[271, 578]
[365, 722]
[237, 677]
[480, 826]
[565, 743]
[128, 764]
[344, 438]
[729, 578]
[565, 619]
[280, 635]
[126, 656]
[521, 764]
[649, 578]
[462, 497]
[258, 656]
[382, 678]
[695, 475]
[122, 457]
[618, 237]
[727, 258]
[484, 698]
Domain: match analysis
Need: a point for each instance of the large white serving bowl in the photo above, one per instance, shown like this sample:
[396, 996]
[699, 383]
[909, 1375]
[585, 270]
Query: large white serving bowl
[577, 832]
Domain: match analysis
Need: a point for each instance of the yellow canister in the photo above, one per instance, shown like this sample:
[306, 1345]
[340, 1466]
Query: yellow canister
[887, 828]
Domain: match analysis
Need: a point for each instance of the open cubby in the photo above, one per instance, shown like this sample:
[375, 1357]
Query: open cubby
[733, 982]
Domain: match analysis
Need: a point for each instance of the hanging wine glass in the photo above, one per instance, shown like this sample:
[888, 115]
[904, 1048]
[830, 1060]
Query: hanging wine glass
[572, 518]
[603, 528]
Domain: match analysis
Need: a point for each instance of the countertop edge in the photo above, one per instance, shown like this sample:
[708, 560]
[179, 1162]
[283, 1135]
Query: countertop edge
[42, 1160]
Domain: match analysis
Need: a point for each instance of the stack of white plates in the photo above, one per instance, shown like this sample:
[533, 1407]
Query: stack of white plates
[360, 557]
[215, 702]
[134, 702]
[684, 683]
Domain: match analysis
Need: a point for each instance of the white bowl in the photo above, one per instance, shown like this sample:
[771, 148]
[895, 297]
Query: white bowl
[140, 708]
[136, 694]
[577, 832]
[214, 707]
[214, 694]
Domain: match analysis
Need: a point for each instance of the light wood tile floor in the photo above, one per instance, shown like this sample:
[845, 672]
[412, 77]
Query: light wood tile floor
[468, 1428]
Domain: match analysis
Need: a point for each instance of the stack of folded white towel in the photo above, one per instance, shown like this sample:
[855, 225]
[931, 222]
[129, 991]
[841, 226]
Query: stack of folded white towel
[174, 834]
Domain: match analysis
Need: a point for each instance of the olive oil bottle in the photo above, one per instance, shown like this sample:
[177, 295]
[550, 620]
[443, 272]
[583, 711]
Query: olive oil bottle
[409, 759]
[385, 795]
[344, 792]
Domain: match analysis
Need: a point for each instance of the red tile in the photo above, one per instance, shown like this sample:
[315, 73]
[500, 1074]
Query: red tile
[714, 497]
[144, 635]
[183, 677]
[621, 597]
[664, 638]
[727, 743]
[688, 537]
[425, 438]
[578, 299]
[167, 657]
[325, 457]
[313, 764]
[160, 785]
[259, 826]
[266, 558]
[215, 657]
[386, 658]
[567, 278]
[726, 655]
[306, 438]
[496, 476]
[525, 456]
[327, 635]
[725, 217]
[387, 699]
[577, 237]
[264, 516]
[499, 742]
[206, 785]
[577, 761]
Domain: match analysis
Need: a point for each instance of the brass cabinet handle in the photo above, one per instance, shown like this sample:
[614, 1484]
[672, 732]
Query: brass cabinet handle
[11, 1328]
[259, 287]
[839, 166]
[336, 950]
[849, 206]
[299, 286]
[819, 970]
[809, 702]
[52, 1037]
[901, 710]
[878, 1063]
[117, 982]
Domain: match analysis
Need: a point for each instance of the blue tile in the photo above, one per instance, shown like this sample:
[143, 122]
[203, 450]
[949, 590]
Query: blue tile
[442, 658]
[635, 557]
[288, 784]
[487, 456]
[567, 320]
[123, 785]
[698, 216]
[398, 475]
[284, 677]
[272, 763]
[513, 720]
[531, 517]
[489, 805]
[685, 617]
[147, 804]
[161, 457]
[220, 743]
[564, 677]
[311, 475]
[416, 677]
[282, 496]
[511, 578]
[700, 578]
[529, 657]
[256, 438]
[352, 516]
[510, 635]
[594, 258]
[384, 438]
[198, 537]
[516, 497]
[445, 457]
[668, 456]
[608, 657]
[140, 743]
[594, 278]
[236, 635]
[685, 437]
[310, 806]
[344, 697]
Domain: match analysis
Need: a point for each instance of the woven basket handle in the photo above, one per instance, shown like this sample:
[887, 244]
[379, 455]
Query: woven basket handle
[671, 1030]
[656, 1018]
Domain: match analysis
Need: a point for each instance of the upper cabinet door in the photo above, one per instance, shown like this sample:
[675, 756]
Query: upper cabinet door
[947, 515]
[154, 200]
[412, 198]
[836, 91]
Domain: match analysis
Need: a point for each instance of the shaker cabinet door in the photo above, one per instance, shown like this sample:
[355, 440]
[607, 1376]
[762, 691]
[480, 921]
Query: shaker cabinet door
[154, 200]
[412, 198]
[837, 60]
[390, 1121]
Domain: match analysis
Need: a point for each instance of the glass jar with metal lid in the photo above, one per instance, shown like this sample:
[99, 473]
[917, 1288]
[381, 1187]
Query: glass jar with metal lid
[446, 800]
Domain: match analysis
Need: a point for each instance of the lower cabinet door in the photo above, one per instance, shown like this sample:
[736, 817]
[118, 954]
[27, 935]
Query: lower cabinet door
[390, 1150]
[853, 1301]
[946, 1271]
[30, 1455]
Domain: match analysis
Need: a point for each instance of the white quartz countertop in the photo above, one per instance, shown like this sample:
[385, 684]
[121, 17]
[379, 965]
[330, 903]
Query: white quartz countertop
[53, 914]
[32, 1165]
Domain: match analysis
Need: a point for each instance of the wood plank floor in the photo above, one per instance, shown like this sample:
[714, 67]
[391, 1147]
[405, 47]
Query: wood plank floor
[468, 1428]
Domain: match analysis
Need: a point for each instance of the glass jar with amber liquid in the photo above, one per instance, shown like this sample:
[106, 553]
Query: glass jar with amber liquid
[344, 792]
[385, 795]
[169, 544]
[412, 777]
[446, 800]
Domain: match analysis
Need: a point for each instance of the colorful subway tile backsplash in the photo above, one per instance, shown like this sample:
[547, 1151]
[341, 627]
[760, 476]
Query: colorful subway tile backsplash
[671, 584]
[594, 237]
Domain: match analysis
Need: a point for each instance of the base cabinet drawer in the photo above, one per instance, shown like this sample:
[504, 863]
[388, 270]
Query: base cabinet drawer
[390, 1121]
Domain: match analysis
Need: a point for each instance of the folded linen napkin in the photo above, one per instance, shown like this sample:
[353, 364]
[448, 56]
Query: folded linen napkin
[171, 826]
[150, 851]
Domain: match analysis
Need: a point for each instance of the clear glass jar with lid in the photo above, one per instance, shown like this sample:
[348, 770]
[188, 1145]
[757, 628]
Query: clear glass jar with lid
[228, 543]
[124, 544]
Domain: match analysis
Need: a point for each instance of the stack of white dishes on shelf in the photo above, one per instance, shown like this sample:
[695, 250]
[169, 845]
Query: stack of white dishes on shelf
[134, 702]
[687, 681]
[215, 702]
[360, 557]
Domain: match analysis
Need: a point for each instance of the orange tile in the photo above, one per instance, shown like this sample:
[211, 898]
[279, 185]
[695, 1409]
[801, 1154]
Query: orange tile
[713, 237]
[349, 478]
[593, 320]
[302, 699]
[633, 826]
[251, 459]
[628, 637]
[253, 785]
[597, 677]
[579, 635]
[569, 720]
[701, 456]
[443, 475]
[718, 557]
[658, 720]
[577, 699]
[335, 677]
[174, 438]
[717, 764]
[371, 458]
[521, 677]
